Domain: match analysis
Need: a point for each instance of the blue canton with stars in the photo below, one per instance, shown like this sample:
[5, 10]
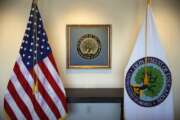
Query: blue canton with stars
[35, 45]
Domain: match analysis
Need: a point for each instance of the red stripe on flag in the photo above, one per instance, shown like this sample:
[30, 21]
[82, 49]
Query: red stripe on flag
[49, 101]
[9, 111]
[19, 101]
[46, 97]
[29, 92]
[58, 91]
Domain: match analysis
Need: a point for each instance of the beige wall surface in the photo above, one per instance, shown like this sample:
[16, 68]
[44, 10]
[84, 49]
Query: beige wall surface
[126, 17]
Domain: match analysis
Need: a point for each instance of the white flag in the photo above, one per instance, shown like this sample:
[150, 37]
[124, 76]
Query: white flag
[148, 80]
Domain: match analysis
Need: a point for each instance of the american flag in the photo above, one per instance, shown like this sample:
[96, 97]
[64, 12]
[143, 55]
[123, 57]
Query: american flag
[35, 91]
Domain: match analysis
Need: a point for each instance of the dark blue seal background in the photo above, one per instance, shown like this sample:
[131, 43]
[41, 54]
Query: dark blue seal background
[77, 33]
[168, 82]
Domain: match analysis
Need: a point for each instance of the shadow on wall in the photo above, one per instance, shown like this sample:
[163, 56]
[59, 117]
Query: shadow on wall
[1, 4]
[6, 3]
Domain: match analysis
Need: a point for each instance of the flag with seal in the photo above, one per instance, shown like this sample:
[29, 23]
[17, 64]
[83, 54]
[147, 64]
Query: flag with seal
[148, 78]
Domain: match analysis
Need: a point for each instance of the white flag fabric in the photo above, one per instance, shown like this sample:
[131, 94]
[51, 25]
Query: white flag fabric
[151, 98]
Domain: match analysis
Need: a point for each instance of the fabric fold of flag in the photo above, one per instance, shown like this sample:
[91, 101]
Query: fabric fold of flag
[35, 90]
[148, 80]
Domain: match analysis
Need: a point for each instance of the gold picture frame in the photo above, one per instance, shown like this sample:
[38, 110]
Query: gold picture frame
[88, 46]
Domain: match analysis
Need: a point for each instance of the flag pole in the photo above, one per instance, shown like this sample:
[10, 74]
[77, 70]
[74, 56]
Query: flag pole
[35, 2]
[146, 79]
[35, 86]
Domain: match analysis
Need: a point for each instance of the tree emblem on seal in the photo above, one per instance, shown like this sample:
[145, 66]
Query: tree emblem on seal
[152, 86]
[89, 46]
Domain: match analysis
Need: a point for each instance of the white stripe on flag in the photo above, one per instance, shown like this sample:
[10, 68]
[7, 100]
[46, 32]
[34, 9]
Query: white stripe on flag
[24, 97]
[45, 107]
[19, 115]
[39, 98]
[25, 72]
[54, 74]
[49, 90]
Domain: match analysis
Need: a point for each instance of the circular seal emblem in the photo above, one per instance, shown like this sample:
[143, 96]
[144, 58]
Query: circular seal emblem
[89, 46]
[148, 83]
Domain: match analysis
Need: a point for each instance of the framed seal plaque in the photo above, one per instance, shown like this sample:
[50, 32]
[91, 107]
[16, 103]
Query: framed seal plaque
[88, 46]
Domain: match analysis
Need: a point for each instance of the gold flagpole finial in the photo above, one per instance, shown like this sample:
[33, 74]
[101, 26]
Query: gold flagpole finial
[149, 2]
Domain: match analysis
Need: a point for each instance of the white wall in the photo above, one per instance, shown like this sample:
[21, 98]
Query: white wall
[126, 17]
